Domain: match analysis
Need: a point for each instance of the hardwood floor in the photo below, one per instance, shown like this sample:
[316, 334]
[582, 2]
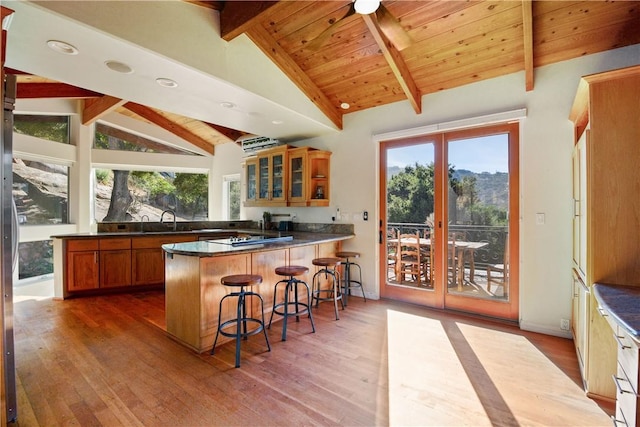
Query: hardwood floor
[106, 361]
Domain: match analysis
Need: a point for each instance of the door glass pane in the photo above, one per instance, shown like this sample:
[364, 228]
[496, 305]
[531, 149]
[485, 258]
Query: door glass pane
[410, 207]
[477, 211]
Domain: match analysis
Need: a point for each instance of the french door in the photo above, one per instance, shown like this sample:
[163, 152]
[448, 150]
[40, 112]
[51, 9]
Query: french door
[449, 220]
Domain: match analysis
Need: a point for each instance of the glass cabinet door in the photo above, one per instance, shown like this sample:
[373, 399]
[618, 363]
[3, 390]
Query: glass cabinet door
[251, 180]
[277, 183]
[296, 170]
[263, 178]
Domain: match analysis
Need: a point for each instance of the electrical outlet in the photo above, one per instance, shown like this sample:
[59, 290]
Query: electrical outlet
[564, 324]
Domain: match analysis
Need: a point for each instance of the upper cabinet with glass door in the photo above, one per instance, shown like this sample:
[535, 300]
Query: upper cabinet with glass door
[288, 176]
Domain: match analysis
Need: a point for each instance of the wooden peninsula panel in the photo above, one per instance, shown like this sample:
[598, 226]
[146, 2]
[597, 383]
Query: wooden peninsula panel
[193, 293]
[193, 290]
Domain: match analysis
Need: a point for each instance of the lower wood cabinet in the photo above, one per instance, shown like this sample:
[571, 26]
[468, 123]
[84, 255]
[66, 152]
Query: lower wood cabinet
[115, 263]
[82, 268]
[109, 263]
[147, 258]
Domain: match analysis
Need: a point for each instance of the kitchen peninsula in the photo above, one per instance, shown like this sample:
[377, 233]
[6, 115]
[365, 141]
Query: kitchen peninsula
[193, 271]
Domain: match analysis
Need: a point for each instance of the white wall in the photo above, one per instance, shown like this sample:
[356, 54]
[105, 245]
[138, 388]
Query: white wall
[545, 173]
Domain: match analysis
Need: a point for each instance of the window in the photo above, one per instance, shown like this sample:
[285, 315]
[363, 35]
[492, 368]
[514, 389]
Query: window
[51, 128]
[41, 192]
[35, 259]
[231, 197]
[109, 138]
[139, 193]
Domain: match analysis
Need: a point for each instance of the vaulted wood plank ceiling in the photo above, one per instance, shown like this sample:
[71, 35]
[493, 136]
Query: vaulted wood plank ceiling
[405, 50]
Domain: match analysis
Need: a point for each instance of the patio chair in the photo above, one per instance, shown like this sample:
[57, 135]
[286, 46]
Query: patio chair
[409, 258]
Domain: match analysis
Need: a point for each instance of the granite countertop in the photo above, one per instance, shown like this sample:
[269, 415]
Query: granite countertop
[623, 303]
[206, 248]
[211, 231]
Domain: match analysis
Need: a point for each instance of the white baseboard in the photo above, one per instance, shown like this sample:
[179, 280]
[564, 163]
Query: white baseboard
[545, 329]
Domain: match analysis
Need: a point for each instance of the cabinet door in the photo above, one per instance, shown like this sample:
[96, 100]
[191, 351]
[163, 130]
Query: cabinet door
[115, 268]
[264, 171]
[297, 193]
[252, 179]
[580, 204]
[82, 270]
[278, 189]
[147, 266]
[580, 319]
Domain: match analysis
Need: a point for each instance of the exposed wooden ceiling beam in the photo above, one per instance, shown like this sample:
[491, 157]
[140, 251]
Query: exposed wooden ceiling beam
[97, 107]
[237, 17]
[53, 90]
[159, 120]
[527, 28]
[395, 61]
[279, 56]
[232, 134]
[215, 5]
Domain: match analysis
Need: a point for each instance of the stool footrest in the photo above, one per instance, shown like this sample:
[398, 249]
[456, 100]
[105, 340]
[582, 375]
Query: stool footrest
[234, 322]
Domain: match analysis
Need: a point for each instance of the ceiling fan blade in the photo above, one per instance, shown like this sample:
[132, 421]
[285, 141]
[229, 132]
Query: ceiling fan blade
[323, 36]
[391, 28]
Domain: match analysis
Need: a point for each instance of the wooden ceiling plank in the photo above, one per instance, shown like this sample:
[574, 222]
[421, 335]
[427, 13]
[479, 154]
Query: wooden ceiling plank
[395, 61]
[527, 29]
[170, 126]
[95, 108]
[279, 56]
[238, 17]
[53, 90]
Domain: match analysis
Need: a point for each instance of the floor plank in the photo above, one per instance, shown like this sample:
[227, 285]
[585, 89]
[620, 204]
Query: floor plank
[106, 361]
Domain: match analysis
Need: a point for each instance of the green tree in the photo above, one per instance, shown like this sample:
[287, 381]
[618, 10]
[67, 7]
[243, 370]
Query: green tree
[410, 194]
[192, 191]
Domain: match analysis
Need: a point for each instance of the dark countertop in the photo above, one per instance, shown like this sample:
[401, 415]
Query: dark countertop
[204, 248]
[211, 231]
[623, 303]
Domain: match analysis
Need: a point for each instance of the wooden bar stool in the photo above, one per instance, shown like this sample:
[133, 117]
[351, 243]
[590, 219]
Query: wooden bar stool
[295, 307]
[329, 270]
[241, 281]
[347, 280]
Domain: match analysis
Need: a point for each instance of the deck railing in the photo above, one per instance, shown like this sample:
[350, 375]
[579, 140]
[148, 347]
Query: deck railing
[495, 236]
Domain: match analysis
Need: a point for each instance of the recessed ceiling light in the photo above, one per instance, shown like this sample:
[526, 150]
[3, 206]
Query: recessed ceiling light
[345, 106]
[226, 104]
[119, 67]
[277, 122]
[165, 82]
[62, 47]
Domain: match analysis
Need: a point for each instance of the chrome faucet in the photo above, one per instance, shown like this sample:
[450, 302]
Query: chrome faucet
[172, 213]
[142, 222]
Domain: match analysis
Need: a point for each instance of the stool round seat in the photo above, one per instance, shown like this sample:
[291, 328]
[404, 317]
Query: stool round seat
[238, 327]
[241, 280]
[326, 262]
[347, 278]
[291, 270]
[291, 304]
[348, 254]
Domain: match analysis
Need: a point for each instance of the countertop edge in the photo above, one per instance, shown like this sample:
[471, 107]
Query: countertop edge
[300, 239]
[623, 303]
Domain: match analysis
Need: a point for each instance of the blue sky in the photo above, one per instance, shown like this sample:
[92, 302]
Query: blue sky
[486, 154]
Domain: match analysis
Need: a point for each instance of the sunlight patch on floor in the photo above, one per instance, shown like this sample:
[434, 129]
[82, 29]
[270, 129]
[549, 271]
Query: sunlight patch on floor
[421, 360]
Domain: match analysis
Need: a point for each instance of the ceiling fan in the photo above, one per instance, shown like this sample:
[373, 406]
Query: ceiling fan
[389, 25]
